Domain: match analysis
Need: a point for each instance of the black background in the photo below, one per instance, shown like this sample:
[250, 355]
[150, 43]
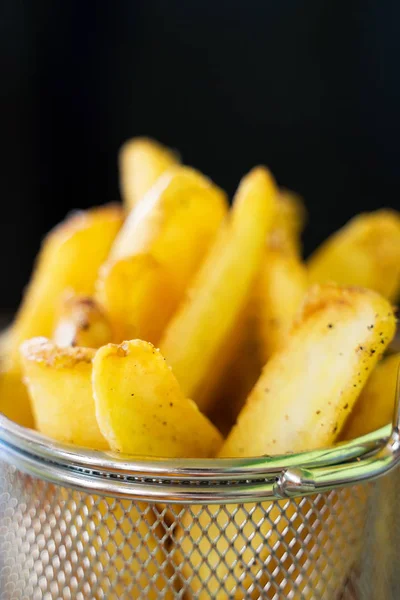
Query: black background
[311, 88]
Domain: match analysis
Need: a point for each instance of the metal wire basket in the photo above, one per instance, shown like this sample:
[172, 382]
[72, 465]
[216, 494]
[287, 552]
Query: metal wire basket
[79, 524]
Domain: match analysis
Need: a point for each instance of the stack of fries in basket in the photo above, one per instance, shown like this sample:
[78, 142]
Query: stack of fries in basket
[178, 326]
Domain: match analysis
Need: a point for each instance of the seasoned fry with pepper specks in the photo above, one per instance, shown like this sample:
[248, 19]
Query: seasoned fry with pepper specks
[60, 387]
[307, 390]
[141, 409]
[374, 408]
[82, 322]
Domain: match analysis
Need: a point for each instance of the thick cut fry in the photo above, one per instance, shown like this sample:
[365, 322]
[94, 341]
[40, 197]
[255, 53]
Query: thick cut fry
[175, 223]
[15, 403]
[299, 403]
[365, 252]
[14, 398]
[282, 280]
[275, 296]
[140, 407]
[283, 283]
[59, 384]
[242, 370]
[82, 323]
[194, 338]
[289, 220]
[141, 162]
[375, 406]
[70, 259]
[307, 390]
[137, 297]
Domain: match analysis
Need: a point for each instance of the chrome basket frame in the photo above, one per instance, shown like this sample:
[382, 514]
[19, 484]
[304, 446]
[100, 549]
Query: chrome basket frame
[207, 481]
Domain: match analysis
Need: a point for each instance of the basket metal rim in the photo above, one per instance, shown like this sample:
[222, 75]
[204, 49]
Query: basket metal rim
[211, 481]
[43, 449]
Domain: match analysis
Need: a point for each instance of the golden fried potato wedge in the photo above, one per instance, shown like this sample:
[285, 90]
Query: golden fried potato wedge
[193, 340]
[175, 222]
[374, 408]
[307, 390]
[140, 407]
[289, 220]
[137, 296]
[60, 387]
[70, 259]
[15, 402]
[282, 280]
[282, 284]
[141, 162]
[241, 353]
[268, 313]
[83, 323]
[365, 252]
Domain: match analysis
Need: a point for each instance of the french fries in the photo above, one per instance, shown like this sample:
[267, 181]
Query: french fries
[195, 336]
[70, 259]
[375, 406]
[60, 266]
[289, 220]
[137, 296]
[222, 292]
[227, 391]
[15, 403]
[140, 407]
[299, 403]
[14, 398]
[59, 384]
[141, 162]
[283, 277]
[158, 251]
[306, 391]
[175, 222]
[366, 252]
[82, 322]
[268, 314]
[283, 283]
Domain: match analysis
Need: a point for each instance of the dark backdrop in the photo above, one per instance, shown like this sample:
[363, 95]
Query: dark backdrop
[310, 88]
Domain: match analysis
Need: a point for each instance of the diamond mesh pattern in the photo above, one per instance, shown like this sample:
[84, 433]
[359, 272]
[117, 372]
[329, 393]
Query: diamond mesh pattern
[56, 543]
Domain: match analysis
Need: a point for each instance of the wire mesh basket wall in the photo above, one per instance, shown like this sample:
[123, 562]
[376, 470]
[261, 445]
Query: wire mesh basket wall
[85, 525]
